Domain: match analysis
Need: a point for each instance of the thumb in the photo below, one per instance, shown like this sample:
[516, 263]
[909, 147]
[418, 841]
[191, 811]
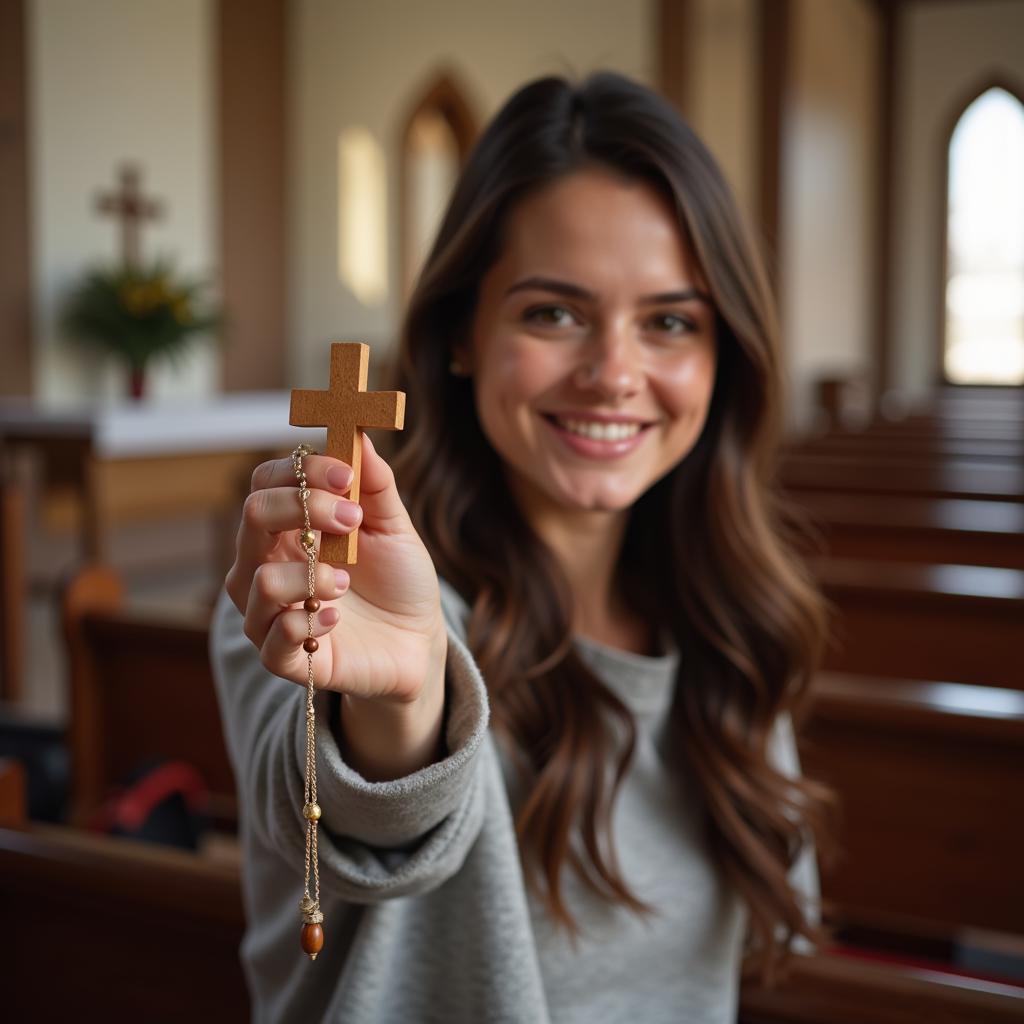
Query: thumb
[378, 494]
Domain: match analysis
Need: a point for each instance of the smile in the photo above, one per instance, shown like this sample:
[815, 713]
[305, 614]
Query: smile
[598, 439]
[600, 431]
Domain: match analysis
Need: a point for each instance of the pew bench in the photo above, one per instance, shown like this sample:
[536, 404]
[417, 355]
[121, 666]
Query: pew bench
[957, 623]
[900, 529]
[141, 689]
[856, 475]
[152, 934]
[931, 782]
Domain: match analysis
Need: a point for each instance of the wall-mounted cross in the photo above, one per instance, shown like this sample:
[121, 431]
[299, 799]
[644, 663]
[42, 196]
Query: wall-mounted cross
[345, 409]
[131, 209]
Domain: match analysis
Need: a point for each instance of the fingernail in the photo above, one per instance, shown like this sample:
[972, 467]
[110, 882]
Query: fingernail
[339, 477]
[328, 617]
[347, 513]
[340, 580]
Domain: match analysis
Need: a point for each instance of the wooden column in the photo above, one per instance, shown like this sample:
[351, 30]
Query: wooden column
[15, 319]
[774, 39]
[888, 17]
[673, 57]
[252, 78]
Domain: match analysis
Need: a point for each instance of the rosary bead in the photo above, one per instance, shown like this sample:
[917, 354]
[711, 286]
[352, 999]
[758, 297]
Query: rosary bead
[311, 812]
[309, 645]
[311, 604]
[308, 538]
[312, 940]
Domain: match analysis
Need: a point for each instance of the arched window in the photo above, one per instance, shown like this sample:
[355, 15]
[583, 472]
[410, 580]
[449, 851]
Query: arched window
[436, 140]
[984, 268]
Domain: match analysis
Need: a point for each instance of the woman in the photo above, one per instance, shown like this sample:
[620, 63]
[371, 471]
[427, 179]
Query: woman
[591, 368]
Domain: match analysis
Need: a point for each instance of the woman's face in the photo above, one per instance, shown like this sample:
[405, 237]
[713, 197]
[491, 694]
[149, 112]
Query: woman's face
[593, 345]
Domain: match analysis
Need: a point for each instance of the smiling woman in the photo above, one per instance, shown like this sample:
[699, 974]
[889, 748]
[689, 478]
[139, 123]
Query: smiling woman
[591, 401]
[591, 564]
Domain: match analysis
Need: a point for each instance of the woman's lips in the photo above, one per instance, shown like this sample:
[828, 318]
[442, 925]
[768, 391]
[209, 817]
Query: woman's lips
[598, 438]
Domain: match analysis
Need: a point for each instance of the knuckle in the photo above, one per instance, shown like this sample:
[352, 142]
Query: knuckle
[291, 630]
[324, 578]
[264, 580]
[266, 660]
[254, 509]
[261, 476]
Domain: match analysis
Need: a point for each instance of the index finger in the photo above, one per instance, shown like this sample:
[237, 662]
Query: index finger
[321, 471]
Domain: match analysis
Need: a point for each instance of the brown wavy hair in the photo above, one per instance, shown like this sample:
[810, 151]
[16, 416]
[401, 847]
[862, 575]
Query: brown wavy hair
[705, 558]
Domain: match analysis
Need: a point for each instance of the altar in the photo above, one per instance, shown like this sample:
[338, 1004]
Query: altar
[123, 462]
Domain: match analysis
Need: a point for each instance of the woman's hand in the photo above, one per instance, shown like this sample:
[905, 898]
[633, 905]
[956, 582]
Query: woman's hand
[380, 625]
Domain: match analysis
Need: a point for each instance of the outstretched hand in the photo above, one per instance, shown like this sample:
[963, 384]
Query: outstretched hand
[380, 625]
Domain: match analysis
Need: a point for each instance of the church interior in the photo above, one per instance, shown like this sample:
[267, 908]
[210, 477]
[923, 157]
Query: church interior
[272, 172]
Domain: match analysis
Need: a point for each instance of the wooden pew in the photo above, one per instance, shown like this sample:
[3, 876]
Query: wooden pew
[13, 595]
[834, 989]
[884, 446]
[13, 792]
[153, 935]
[953, 478]
[944, 531]
[950, 622]
[931, 782]
[141, 689]
[99, 928]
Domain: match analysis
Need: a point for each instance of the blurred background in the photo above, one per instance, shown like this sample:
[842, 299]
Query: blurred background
[198, 196]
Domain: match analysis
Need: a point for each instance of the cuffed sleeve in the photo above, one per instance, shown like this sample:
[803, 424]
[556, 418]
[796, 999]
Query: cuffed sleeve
[397, 812]
[377, 839]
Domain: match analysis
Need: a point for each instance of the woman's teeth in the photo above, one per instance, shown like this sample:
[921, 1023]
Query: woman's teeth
[599, 431]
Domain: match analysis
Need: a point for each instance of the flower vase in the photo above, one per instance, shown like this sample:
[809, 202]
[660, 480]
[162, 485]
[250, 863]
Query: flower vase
[137, 382]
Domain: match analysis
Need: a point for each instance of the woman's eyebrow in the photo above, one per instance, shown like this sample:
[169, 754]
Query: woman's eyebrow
[575, 291]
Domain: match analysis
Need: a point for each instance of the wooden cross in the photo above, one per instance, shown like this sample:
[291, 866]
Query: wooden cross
[128, 205]
[345, 409]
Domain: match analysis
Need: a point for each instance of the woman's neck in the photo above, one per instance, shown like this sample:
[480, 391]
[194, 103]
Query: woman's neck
[587, 546]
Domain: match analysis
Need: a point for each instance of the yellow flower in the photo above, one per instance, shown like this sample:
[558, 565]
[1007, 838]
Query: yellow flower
[134, 298]
[180, 310]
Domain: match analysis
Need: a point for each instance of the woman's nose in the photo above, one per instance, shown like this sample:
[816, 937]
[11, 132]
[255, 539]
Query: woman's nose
[610, 365]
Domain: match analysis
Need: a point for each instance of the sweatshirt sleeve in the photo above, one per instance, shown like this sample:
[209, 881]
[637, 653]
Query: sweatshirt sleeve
[377, 839]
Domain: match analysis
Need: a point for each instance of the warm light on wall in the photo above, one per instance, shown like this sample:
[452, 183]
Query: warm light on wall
[362, 216]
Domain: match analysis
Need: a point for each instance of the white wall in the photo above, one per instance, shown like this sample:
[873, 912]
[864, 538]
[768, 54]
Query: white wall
[947, 51]
[110, 81]
[359, 63]
[828, 203]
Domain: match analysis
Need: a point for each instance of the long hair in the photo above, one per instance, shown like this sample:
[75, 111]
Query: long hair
[705, 556]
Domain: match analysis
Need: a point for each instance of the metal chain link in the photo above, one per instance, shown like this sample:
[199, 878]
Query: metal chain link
[310, 905]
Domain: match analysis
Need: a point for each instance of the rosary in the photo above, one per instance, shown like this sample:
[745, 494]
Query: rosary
[345, 409]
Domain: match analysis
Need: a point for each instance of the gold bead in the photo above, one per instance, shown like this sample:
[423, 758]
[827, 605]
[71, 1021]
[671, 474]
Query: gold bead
[311, 812]
[308, 538]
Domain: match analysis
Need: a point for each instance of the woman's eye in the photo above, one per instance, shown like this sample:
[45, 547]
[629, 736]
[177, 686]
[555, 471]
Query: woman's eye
[550, 316]
[669, 323]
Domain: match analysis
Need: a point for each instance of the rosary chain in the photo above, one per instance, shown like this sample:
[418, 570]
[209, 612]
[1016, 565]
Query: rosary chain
[312, 934]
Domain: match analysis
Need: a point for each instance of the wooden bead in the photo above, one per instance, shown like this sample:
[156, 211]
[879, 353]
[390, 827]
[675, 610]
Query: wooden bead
[312, 940]
[311, 604]
[309, 645]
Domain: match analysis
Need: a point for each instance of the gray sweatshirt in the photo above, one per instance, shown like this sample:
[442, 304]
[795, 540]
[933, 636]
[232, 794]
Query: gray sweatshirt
[426, 914]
